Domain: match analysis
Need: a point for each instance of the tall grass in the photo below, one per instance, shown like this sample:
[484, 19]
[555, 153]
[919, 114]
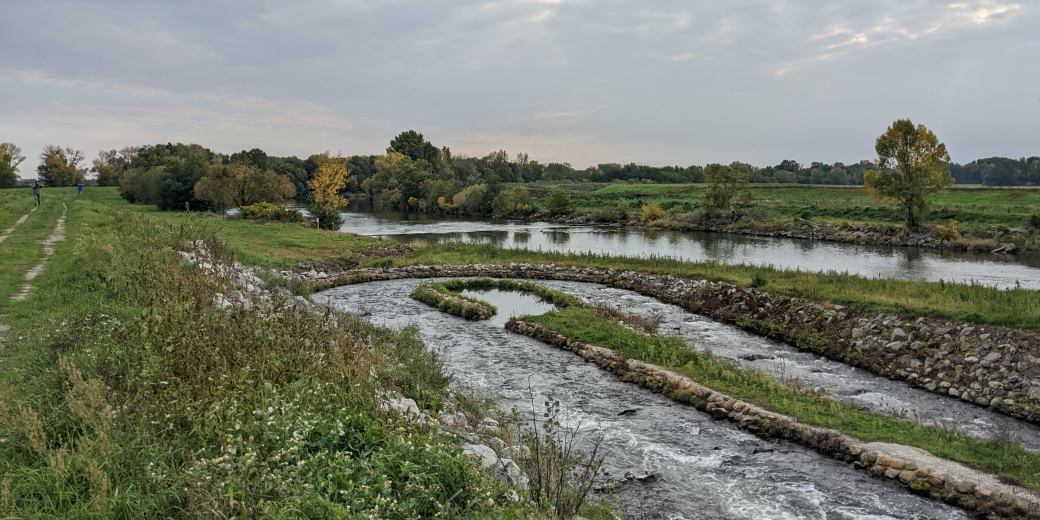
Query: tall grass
[136, 396]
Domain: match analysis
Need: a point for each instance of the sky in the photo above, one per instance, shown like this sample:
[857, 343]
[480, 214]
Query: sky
[578, 81]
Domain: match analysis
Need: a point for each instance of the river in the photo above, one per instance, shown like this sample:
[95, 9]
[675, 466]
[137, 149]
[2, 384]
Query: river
[706, 469]
[902, 263]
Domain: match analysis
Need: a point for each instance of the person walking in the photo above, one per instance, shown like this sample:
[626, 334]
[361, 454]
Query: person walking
[79, 187]
[36, 191]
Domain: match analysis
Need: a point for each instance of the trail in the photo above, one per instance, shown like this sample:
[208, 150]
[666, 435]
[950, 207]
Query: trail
[48, 249]
[7, 232]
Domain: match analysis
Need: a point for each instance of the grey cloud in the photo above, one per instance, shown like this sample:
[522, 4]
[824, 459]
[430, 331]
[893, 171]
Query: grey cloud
[570, 80]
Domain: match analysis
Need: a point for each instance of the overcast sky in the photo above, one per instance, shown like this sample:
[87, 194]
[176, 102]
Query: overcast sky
[581, 81]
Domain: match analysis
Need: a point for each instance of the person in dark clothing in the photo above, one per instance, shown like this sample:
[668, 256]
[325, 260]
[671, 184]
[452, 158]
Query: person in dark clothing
[36, 191]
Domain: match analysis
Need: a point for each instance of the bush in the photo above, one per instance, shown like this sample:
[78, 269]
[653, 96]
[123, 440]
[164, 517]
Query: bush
[558, 203]
[326, 217]
[759, 280]
[949, 231]
[269, 211]
[651, 211]
[1034, 221]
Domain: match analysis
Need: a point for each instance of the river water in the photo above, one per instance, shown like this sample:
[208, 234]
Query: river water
[903, 263]
[706, 469]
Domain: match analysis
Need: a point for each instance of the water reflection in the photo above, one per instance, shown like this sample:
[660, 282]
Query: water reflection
[903, 263]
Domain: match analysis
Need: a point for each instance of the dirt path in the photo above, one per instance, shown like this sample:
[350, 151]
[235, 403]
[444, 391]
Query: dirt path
[7, 232]
[48, 249]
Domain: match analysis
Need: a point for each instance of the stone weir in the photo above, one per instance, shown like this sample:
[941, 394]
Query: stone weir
[995, 367]
[916, 469]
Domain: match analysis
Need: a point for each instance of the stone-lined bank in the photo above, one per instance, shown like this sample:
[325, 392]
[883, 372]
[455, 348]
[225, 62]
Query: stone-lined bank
[915, 469]
[995, 367]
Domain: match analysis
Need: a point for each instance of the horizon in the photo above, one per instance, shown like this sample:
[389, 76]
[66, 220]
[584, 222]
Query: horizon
[563, 81]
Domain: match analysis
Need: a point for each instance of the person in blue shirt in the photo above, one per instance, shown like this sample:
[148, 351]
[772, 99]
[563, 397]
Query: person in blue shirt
[79, 187]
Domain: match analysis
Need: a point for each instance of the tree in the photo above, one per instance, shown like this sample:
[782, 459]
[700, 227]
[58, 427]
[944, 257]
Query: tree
[331, 177]
[912, 164]
[413, 145]
[60, 166]
[10, 157]
[239, 184]
[724, 185]
[110, 165]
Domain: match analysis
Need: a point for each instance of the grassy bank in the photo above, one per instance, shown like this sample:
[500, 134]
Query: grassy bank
[128, 393]
[284, 245]
[999, 458]
[976, 209]
[1012, 307]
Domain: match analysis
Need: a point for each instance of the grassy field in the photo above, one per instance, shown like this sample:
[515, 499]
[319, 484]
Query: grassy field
[976, 209]
[126, 393]
[284, 245]
[1000, 458]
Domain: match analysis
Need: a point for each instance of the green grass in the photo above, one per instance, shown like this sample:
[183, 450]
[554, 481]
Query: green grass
[976, 209]
[999, 458]
[283, 245]
[1011, 307]
[127, 393]
[14, 203]
[267, 244]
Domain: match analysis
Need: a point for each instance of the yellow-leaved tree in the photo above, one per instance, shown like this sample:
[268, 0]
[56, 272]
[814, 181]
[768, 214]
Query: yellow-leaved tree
[912, 165]
[328, 181]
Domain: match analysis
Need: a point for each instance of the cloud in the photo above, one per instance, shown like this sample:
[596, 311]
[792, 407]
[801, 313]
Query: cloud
[668, 81]
[900, 28]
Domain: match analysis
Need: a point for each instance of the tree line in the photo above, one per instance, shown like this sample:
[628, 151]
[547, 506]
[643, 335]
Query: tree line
[412, 174]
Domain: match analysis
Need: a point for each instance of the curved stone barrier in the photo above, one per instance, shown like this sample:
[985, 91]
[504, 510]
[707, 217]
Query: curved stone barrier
[995, 367]
[916, 469]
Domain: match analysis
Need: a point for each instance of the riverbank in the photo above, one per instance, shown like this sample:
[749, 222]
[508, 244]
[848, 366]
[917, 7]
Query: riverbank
[919, 471]
[136, 384]
[988, 219]
[1003, 364]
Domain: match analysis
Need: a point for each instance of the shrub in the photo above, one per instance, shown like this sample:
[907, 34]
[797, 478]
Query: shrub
[269, 211]
[326, 217]
[558, 203]
[759, 280]
[1034, 221]
[651, 211]
[949, 231]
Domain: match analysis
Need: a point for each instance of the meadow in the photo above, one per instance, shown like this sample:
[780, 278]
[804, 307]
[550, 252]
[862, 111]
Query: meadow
[977, 210]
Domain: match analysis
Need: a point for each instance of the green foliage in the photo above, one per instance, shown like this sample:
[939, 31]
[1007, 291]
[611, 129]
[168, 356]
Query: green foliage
[724, 185]
[912, 164]
[558, 203]
[758, 280]
[437, 295]
[1034, 221]
[234, 185]
[165, 176]
[267, 211]
[60, 166]
[327, 218]
[1002, 458]
[10, 157]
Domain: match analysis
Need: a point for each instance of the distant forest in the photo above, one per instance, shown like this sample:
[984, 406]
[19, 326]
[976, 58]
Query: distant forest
[414, 173]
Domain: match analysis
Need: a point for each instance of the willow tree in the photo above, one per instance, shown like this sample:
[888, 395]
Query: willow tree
[912, 165]
[328, 181]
